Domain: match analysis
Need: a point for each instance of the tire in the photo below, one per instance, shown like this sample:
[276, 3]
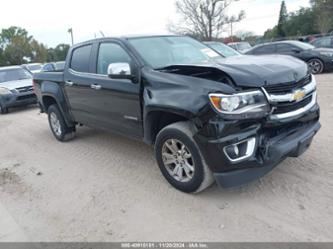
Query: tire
[193, 174]
[316, 66]
[3, 110]
[58, 126]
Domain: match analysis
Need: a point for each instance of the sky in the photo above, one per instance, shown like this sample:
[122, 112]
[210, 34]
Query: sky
[49, 21]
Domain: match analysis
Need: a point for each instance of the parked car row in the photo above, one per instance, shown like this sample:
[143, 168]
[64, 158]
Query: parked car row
[47, 67]
[318, 59]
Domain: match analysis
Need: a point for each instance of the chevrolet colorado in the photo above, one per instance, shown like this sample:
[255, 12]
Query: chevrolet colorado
[208, 117]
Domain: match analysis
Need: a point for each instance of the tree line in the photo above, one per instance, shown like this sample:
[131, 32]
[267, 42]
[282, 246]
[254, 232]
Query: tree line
[208, 19]
[18, 47]
[316, 19]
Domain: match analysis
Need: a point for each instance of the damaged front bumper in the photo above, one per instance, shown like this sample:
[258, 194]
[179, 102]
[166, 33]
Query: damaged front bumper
[271, 143]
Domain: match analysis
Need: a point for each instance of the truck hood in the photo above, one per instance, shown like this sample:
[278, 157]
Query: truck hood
[11, 85]
[258, 71]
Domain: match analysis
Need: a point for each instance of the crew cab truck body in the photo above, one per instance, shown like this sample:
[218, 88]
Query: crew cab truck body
[208, 117]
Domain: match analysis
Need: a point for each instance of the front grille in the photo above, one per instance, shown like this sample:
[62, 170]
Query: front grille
[25, 89]
[282, 98]
[24, 97]
[288, 87]
[289, 107]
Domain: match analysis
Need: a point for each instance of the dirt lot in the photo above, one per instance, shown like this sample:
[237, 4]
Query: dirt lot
[103, 187]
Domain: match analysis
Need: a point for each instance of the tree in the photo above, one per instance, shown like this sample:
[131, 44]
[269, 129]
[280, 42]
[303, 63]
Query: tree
[204, 19]
[39, 52]
[298, 23]
[282, 20]
[58, 53]
[18, 47]
[15, 46]
[301, 23]
[324, 14]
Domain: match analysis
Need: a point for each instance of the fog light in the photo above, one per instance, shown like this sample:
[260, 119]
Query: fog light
[240, 151]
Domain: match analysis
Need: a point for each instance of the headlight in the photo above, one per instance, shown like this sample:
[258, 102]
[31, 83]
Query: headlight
[329, 54]
[241, 105]
[4, 91]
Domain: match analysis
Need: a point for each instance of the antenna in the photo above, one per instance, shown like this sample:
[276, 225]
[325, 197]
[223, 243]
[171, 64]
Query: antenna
[102, 33]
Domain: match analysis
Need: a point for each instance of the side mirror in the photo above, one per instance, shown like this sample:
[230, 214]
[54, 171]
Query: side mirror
[120, 71]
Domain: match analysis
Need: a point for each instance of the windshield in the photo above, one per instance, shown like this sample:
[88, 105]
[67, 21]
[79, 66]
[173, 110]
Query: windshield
[160, 52]
[226, 51]
[303, 45]
[13, 74]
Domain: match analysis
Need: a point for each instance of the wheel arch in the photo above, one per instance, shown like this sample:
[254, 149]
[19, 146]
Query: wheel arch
[51, 93]
[156, 120]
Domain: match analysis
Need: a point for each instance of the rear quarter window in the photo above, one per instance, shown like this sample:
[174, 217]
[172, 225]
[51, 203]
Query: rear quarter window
[81, 59]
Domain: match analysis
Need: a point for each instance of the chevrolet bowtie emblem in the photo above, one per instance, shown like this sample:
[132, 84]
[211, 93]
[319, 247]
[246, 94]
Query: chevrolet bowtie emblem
[299, 95]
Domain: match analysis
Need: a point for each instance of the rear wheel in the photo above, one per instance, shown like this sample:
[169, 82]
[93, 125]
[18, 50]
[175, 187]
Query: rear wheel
[316, 66]
[3, 110]
[180, 159]
[58, 126]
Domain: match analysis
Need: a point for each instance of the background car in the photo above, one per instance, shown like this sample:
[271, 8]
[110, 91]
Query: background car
[241, 47]
[318, 59]
[33, 67]
[324, 42]
[53, 66]
[15, 88]
[222, 49]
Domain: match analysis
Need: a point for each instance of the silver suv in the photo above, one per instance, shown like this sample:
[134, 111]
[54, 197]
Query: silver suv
[15, 88]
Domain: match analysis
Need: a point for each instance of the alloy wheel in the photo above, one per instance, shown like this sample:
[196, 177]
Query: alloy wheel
[55, 124]
[178, 160]
[315, 66]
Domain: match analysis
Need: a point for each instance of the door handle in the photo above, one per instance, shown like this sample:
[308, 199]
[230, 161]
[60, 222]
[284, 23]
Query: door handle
[69, 83]
[96, 86]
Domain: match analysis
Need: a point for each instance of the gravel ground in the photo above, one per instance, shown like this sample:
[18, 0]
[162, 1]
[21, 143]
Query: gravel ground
[103, 187]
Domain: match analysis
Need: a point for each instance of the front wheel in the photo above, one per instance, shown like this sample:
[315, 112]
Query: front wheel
[316, 66]
[180, 159]
[59, 128]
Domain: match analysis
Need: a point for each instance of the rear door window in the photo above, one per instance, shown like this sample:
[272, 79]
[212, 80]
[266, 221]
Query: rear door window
[81, 59]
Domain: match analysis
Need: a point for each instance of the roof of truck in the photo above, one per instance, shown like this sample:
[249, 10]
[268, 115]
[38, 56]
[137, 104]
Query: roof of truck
[125, 37]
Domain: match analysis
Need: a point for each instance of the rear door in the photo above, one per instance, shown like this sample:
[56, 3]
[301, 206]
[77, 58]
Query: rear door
[78, 79]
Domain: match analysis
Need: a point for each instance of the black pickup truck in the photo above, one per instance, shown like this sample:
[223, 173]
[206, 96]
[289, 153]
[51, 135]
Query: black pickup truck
[208, 117]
